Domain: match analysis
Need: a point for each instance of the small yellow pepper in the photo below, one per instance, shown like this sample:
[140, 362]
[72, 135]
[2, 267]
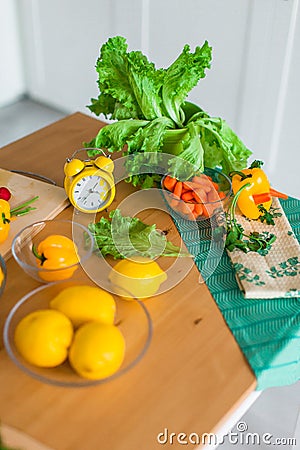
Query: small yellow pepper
[56, 252]
[254, 190]
[5, 217]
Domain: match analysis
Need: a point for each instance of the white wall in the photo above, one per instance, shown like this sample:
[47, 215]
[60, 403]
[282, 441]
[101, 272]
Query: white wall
[269, 114]
[12, 84]
[62, 41]
[252, 83]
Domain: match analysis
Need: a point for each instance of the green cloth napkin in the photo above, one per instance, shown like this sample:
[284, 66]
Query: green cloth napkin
[267, 331]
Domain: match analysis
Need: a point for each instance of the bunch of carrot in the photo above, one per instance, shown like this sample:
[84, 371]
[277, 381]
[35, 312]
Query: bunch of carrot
[195, 198]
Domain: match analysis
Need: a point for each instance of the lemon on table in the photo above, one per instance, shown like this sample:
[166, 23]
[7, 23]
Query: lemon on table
[97, 350]
[140, 277]
[83, 303]
[43, 337]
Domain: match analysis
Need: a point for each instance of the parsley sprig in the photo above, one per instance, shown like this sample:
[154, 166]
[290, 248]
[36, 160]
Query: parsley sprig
[268, 216]
[236, 238]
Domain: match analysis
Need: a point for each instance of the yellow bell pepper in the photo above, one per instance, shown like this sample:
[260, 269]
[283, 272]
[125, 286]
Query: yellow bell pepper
[5, 217]
[255, 190]
[56, 252]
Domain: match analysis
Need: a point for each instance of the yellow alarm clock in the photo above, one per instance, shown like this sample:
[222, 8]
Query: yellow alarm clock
[89, 184]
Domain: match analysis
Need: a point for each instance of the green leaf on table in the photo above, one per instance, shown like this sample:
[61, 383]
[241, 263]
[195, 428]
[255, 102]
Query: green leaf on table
[122, 236]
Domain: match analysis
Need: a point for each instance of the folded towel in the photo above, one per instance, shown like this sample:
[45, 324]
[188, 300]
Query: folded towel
[277, 274]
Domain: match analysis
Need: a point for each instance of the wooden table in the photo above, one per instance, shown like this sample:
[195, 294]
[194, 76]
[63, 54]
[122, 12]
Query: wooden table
[190, 380]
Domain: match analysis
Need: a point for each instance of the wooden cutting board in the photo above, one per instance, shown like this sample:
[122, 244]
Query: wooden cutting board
[52, 200]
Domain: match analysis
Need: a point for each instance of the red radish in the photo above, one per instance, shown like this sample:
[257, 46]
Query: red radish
[4, 193]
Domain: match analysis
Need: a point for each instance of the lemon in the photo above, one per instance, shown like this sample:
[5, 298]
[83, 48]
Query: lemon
[83, 303]
[1, 276]
[97, 350]
[43, 337]
[140, 277]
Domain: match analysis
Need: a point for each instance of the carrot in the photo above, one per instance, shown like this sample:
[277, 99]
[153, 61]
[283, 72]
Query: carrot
[212, 196]
[190, 206]
[215, 185]
[209, 208]
[184, 190]
[202, 179]
[182, 208]
[261, 198]
[187, 196]
[197, 179]
[200, 195]
[169, 183]
[278, 194]
[205, 211]
[190, 185]
[198, 209]
[205, 185]
[221, 195]
[178, 189]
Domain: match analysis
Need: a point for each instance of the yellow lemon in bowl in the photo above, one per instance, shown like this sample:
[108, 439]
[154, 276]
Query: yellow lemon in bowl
[97, 350]
[84, 303]
[141, 277]
[43, 337]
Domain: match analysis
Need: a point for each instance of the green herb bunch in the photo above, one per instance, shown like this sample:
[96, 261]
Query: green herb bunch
[237, 239]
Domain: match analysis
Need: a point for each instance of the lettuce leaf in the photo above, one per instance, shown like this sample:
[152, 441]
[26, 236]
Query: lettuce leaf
[113, 137]
[190, 160]
[222, 147]
[146, 83]
[113, 81]
[146, 102]
[132, 236]
[129, 84]
[150, 138]
[182, 76]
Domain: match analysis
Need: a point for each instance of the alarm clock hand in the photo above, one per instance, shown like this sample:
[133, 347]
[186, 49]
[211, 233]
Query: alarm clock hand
[89, 191]
[94, 190]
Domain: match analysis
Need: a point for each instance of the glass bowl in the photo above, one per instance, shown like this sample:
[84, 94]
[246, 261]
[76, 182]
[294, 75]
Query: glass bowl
[32, 235]
[210, 193]
[2, 275]
[132, 319]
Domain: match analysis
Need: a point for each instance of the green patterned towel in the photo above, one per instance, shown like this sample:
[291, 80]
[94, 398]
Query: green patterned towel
[276, 273]
[267, 331]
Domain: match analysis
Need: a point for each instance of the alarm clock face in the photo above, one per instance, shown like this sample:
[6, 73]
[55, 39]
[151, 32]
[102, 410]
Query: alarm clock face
[90, 192]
